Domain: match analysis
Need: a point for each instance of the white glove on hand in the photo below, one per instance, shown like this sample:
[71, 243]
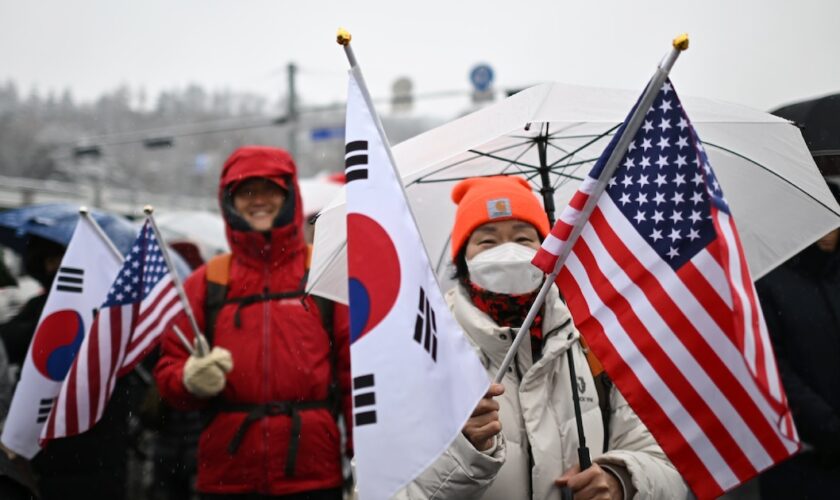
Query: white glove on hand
[204, 376]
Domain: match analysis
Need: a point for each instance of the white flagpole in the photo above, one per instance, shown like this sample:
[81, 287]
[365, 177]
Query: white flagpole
[679, 44]
[84, 212]
[176, 280]
[343, 38]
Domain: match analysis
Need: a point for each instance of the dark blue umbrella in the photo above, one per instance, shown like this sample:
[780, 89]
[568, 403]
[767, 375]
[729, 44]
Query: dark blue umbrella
[56, 222]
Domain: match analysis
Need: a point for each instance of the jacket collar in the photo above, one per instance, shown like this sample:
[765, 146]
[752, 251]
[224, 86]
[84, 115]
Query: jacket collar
[494, 340]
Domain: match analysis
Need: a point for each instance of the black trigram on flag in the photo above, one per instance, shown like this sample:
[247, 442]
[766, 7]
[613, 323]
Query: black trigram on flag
[425, 328]
[70, 279]
[364, 400]
[44, 408]
[356, 160]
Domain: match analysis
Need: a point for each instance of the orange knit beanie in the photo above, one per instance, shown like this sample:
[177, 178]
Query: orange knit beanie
[490, 199]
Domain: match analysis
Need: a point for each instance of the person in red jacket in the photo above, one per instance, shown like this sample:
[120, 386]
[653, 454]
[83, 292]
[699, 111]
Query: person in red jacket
[276, 377]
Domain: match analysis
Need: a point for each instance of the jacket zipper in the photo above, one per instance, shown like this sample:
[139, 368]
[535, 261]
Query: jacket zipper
[264, 424]
[519, 376]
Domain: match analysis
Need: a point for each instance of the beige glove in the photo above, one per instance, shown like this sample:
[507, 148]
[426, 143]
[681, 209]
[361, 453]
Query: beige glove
[204, 376]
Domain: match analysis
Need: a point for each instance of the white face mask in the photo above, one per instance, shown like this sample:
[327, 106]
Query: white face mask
[505, 269]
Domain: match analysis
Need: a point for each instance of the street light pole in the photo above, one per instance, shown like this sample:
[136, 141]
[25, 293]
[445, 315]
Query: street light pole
[292, 109]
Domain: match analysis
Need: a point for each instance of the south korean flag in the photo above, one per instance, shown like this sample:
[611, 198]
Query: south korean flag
[416, 379]
[87, 270]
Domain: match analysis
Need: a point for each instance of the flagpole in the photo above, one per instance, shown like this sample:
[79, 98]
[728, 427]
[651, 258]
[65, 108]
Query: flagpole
[678, 45]
[183, 339]
[176, 280]
[343, 38]
[84, 212]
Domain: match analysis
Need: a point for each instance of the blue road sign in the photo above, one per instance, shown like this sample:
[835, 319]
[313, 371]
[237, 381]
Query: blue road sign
[327, 133]
[481, 77]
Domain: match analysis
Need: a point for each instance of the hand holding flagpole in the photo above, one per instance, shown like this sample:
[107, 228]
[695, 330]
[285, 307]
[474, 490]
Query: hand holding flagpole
[176, 280]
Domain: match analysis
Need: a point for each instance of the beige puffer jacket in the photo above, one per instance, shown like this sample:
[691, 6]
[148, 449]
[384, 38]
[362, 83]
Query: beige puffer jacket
[537, 413]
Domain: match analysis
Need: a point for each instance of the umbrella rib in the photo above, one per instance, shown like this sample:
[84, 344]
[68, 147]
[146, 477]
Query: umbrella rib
[329, 263]
[454, 179]
[465, 160]
[556, 135]
[558, 148]
[739, 155]
[586, 145]
[516, 160]
[533, 175]
[495, 157]
[562, 178]
[443, 252]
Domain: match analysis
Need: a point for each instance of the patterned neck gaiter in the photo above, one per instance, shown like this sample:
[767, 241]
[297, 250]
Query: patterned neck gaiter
[508, 310]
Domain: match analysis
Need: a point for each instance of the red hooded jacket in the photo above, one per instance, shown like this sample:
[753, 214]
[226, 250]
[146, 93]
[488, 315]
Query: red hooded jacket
[280, 350]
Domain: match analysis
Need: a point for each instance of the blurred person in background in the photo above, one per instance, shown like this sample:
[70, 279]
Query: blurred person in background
[16, 480]
[801, 304]
[16, 287]
[41, 261]
[277, 377]
[92, 464]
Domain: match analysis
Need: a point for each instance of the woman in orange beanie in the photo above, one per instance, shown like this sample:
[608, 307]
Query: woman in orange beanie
[521, 441]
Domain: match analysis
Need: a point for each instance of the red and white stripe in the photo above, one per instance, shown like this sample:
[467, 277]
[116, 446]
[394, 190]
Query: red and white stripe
[156, 311]
[688, 349]
[119, 338]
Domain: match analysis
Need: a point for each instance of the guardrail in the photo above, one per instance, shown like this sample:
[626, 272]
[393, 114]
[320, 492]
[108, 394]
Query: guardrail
[21, 191]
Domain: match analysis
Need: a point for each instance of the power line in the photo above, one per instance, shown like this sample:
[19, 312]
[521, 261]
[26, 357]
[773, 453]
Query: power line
[164, 136]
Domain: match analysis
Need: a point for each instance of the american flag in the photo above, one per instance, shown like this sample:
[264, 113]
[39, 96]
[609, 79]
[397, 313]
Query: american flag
[659, 286]
[139, 305]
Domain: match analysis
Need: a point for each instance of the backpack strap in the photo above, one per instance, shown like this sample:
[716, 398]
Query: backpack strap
[326, 308]
[217, 275]
[603, 386]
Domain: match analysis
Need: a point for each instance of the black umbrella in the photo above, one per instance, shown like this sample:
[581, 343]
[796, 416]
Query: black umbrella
[819, 120]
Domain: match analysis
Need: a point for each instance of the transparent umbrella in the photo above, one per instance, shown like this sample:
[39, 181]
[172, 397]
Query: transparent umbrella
[551, 134]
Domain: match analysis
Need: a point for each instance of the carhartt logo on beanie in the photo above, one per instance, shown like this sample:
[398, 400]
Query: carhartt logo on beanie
[498, 208]
[490, 199]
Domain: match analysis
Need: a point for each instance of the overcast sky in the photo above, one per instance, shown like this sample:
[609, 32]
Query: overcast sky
[759, 53]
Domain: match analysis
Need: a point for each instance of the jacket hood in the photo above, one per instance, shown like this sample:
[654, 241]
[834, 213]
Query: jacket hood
[285, 240]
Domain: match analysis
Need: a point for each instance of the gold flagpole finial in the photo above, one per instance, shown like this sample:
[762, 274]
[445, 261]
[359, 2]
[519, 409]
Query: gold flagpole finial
[148, 209]
[343, 37]
[681, 42]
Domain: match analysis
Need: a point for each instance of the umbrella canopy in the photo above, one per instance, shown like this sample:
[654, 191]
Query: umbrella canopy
[317, 192]
[552, 134]
[819, 120]
[204, 229]
[56, 222]
[820, 125]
